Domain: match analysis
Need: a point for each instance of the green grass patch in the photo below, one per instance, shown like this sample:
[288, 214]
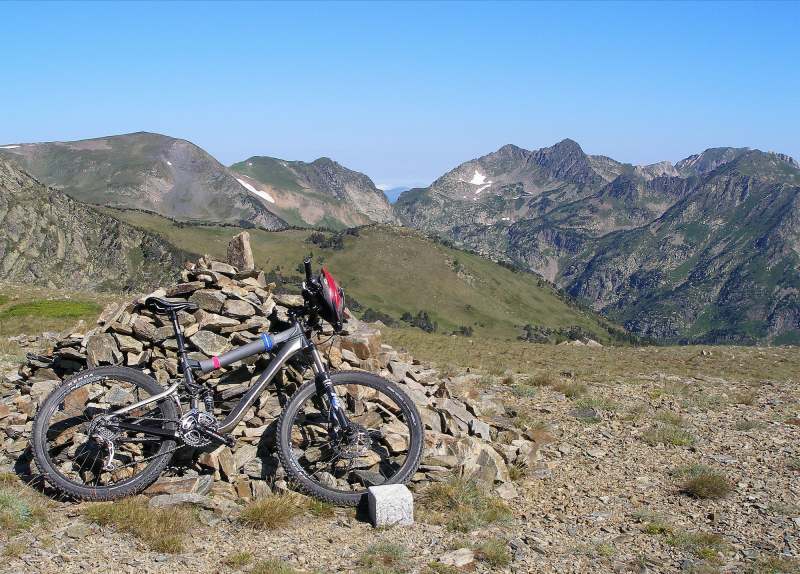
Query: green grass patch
[599, 403]
[523, 391]
[705, 545]
[19, 510]
[670, 418]
[51, 310]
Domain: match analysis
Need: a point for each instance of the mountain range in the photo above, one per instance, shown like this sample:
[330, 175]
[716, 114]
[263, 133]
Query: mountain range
[703, 250]
[177, 179]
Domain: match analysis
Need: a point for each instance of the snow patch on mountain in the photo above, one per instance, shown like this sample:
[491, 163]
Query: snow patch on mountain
[478, 179]
[258, 192]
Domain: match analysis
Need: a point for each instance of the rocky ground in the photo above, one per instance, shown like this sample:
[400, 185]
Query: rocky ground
[630, 460]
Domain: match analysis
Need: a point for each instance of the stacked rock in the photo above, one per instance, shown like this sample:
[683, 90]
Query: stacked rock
[467, 430]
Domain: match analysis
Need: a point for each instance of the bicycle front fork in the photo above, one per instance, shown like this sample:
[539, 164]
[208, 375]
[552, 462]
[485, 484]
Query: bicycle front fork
[325, 385]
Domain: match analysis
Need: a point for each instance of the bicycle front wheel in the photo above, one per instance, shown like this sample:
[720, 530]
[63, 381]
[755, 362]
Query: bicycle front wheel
[382, 446]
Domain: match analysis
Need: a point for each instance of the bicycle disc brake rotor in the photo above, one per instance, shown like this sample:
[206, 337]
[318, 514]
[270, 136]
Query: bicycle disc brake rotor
[354, 442]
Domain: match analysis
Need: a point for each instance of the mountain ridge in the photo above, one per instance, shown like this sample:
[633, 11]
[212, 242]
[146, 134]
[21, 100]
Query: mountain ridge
[318, 193]
[585, 222]
[50, 239]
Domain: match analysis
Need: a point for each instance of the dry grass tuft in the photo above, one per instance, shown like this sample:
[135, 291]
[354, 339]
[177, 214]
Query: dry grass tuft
[703, 482]
[775, 565]
[238, 559]
[384, 557]
[439, 568]
[20, 509]
[9, 479]
[273, 511]
[463, 505]
[668, 435]
[570, 389]
[162, 529]
[746, 425]
[671, 418]
[271, 566]
[493, 551]
[543, 379]
[745, 397]
[14, 549]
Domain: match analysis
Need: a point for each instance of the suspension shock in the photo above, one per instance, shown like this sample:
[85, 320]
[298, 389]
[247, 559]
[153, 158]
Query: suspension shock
[208, 401]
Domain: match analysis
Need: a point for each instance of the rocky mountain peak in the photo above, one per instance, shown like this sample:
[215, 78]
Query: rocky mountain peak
[709, 160]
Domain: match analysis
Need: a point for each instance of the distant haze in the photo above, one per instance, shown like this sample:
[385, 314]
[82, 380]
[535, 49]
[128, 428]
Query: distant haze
[392, 193]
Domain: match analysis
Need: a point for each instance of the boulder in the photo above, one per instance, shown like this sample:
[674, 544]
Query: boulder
[208, 299]
[364, 342]
[200, 484]
[238, 308]
[102, 349]
[210, 343]
[240, 255]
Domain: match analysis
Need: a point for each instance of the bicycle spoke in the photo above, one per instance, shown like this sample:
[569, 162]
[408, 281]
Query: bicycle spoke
[78, 445]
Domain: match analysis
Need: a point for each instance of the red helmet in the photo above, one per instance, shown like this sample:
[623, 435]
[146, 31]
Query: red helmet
[332, 304]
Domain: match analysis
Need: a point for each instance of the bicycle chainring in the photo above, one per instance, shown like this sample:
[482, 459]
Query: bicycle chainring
[190, 425]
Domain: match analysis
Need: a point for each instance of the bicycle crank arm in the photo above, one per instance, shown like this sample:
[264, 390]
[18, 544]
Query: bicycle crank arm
[217, 437]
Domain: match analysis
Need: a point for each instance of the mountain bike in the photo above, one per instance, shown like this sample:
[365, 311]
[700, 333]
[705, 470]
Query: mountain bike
[109, 432]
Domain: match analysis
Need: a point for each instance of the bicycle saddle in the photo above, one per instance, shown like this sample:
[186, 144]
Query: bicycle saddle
[162, 306]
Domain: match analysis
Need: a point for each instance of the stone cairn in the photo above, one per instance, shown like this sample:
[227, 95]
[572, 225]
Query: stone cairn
[467, 429]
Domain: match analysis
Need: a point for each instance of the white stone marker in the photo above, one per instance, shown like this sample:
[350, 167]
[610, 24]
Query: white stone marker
[390, 505]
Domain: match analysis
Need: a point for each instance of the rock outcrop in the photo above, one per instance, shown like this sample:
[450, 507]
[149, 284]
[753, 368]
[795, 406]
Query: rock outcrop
[52, 240]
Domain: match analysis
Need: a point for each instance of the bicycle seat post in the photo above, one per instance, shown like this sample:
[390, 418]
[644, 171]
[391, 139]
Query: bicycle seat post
[182, 357]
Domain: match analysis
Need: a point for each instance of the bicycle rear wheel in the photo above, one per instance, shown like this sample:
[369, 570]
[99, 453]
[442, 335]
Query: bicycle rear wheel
[86, 458]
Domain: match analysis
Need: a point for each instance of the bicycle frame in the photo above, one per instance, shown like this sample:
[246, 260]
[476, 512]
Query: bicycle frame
[293, 340]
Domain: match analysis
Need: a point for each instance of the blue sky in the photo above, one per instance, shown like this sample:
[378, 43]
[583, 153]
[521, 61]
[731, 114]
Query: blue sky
[406, 91]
